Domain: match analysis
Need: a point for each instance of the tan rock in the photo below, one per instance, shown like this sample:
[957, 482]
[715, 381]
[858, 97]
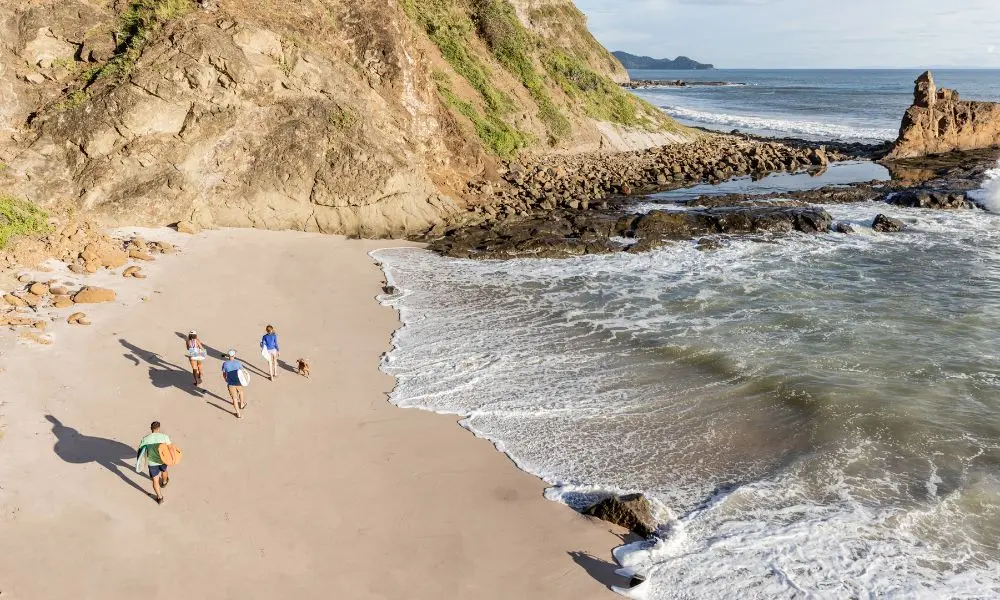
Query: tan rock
[78, 269]
[188, 227]
[13, 300]
[30, 299]
[33, 336]
[940, 122]
[39, 289]
[137, 254]
[58, 290]
[94, 295]
[92, 267]
[41, 325]
[75, 318]
[62, 302]
[134, 271]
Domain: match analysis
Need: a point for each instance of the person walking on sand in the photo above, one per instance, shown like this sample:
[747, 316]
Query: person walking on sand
[231, 370]
[269, 347]
[196, 354]
[149, 449]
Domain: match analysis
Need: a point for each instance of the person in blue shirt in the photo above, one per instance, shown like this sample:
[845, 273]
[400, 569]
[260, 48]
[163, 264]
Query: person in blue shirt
[231, 369]
[269, 346]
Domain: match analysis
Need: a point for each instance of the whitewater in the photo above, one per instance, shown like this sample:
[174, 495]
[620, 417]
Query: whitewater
[815, 416]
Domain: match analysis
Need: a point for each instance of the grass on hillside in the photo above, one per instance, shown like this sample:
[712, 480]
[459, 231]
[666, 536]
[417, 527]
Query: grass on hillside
[19, 218]
[137, 23]
[603, 99]
[496, 134]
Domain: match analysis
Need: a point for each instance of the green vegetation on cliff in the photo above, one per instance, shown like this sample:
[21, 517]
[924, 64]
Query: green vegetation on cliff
[140, 20]
[477, 36]
[20, 217]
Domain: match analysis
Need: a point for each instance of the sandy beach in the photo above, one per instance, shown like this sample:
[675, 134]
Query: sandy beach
[322, 490]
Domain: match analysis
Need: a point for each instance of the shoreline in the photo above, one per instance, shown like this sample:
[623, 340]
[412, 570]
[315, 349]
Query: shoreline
[383, 520]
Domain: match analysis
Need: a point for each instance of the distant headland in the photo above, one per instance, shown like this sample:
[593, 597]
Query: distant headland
[681, 63]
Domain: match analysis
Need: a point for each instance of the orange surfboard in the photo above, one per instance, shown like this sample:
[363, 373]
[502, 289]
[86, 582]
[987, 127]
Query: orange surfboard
[169, 454]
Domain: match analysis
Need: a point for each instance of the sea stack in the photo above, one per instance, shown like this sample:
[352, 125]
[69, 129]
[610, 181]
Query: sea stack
[940, 122]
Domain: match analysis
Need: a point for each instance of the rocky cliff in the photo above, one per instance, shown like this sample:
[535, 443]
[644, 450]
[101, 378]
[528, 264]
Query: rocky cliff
[939, 121]
[362, 117]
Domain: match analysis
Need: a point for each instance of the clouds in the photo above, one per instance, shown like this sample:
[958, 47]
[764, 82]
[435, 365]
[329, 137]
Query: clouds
[792, 33]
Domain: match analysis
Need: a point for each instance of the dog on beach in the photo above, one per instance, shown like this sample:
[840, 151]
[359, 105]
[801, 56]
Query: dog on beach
[302, 367]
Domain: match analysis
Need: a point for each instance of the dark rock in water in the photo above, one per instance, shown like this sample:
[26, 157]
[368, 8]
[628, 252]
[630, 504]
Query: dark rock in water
[844, 228]
[659, 224]
[706, 244]
[389, 290]
[884, 224]
[636, 581]
[563, 233]
[923, 198]
[633, 512]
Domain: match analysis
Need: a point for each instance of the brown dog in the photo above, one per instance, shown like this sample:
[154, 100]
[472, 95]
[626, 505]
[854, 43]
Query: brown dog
[302, 368]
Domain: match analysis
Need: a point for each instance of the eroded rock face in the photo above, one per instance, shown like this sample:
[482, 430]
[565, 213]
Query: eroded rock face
[633, 512]
[939, 121]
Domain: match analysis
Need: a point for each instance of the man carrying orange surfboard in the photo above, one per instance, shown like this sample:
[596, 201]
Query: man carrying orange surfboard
[149, 447]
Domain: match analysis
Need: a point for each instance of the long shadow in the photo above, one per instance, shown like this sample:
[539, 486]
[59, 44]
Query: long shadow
[601, 570]
[287, 367]
[165, 374]
[78, 449]
[222, 355]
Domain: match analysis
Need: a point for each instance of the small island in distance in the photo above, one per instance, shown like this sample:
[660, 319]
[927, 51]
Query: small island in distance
[681, 63]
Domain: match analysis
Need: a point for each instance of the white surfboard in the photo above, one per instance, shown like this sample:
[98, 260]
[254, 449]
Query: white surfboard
[244, 377]
[265, 354]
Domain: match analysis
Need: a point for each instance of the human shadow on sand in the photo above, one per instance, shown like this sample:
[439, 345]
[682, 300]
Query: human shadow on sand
[222, 355]
[78, 449]
[165, 374]
[601, 570]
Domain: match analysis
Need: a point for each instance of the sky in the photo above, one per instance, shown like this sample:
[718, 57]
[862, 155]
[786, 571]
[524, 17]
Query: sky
[804, 33]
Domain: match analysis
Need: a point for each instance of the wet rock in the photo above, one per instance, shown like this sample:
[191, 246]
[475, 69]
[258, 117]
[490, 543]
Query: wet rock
[845, 228]
[633, 512]
[935, 199]
[94, 295]
[884, 224]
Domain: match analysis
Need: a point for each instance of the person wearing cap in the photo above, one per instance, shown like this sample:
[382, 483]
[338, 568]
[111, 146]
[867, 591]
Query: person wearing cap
[231, 375]
[196, 354]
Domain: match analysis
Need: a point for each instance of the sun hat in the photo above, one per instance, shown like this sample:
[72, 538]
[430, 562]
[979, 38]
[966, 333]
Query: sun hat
[231, 352]
[192, 332]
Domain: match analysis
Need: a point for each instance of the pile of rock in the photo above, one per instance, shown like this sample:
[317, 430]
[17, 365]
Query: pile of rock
[587, 180]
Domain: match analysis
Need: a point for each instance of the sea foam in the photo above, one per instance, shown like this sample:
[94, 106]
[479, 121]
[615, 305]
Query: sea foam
[988, 196]
[817, 129]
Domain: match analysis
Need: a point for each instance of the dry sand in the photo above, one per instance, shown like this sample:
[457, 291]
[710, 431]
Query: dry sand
[322, 490]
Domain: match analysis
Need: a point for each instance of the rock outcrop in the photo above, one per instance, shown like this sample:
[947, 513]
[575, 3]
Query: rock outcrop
[939, 121]
[354, 117]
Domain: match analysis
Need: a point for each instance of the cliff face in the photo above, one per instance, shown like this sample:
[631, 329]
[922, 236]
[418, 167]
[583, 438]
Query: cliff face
[344, 116]
[940, 122]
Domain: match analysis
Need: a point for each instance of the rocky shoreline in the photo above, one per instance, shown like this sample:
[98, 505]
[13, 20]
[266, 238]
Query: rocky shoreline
[596, 180]
[570, 206]
[645, 84]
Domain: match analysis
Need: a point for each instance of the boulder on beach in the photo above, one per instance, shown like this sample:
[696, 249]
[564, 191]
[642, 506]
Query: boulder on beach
[884, 224]
[39, 289]
[633, 512]
[94, 295]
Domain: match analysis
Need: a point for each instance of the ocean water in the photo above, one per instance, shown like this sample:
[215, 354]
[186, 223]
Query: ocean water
[849, 105]
[816, 417]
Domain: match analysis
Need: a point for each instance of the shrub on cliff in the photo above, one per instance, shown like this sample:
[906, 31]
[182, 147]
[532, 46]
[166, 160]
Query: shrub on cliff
[20, 217]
